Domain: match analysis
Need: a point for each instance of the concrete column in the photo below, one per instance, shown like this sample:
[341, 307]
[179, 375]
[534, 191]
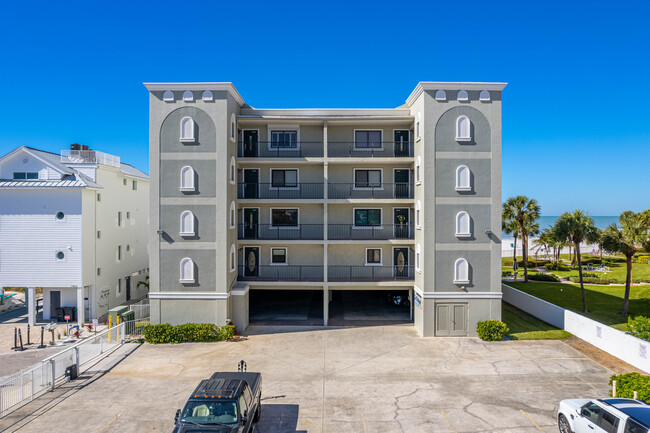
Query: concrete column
[325, 209]
[326, 304]
[80, 306]
[30, 298]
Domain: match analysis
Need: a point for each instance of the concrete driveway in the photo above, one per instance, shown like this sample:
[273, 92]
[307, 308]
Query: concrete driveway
[376, 379]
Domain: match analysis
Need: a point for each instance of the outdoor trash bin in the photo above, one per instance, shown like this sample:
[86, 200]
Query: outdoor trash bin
[70, 311]
[71, 372]
[59, 314]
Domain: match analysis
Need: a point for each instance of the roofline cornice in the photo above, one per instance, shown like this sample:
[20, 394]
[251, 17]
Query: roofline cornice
[223, 86]
[432, 85]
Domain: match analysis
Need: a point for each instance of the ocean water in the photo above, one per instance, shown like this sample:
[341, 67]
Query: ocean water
[546, 221]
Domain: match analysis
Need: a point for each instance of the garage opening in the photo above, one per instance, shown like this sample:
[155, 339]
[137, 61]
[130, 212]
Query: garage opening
[369, 307]
[286, 307]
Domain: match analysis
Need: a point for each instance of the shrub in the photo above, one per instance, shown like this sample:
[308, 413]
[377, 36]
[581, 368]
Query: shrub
[492, 330]
[591, 280]
[644, 259]
[638, 326]
[185, 333]
[543, 277]
[556, 266]
[627, 383]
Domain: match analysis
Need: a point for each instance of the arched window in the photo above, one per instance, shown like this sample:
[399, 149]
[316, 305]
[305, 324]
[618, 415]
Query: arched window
[461, 272]
[417, 215]
[232, 174]
[188, 96]
[417, 258]
[484, 95]
[463, 96]
[417, 126]
[207, 96]
[441, 95]
[187, 271]
[168, 96]
[463, 179]
[463, 129]
[233, 258]
[418, 173]
[187, 178]
[232, 215]
[187, 223]
[463, 229]
[187, 130]
[233, 127]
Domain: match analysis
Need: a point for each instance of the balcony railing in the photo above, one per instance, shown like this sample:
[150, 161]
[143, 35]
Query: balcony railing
[370, 273]
[383, 232]
[385, 190]
[281, 273]
[265, 149]
[269, 191]
[384, 149]
[89, 157]
[274, 232]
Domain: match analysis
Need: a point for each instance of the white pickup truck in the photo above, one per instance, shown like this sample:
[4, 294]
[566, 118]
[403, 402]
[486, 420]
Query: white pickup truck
[610, 415]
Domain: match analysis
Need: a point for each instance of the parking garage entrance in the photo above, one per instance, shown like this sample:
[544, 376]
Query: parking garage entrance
[285, 307]
[369, 307]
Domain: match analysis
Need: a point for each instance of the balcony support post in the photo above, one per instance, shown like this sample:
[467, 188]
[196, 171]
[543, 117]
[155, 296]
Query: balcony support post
[326, 304]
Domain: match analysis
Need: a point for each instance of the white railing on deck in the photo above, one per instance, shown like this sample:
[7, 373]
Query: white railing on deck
[22, 387]
[89, 157]
[141, 309]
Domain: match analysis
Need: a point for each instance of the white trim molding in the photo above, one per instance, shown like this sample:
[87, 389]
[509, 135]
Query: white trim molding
[431, 85]
[188, 295]
[219, 87]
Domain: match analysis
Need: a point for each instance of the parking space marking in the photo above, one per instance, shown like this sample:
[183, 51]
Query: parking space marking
[365, 428]
[531, 420]
[110, 422]
[448, 422]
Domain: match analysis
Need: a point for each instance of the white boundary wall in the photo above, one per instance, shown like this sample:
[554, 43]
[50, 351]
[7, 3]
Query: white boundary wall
[630, 349]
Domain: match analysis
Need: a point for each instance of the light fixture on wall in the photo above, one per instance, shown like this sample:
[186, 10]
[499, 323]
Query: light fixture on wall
[160, 232]
[488, 232]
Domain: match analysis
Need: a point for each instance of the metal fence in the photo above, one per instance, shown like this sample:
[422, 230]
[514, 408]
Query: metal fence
[22, 387]
[141, 309]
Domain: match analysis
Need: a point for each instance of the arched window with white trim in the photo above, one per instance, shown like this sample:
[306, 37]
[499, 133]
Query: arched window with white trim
[463, 225]
[231, 214]
[463, 178]
[188, 96]
[418, 127]
[462, 95]
[187, 178]
[187, 223]
[168, 96]
[207, 96]
[417, 258]
[233, 258]
[187, 130]
[463, 129]
[417, 215]
[187, 270]
[461, 272]
[441, 95]
[232, 174]
[484, 96]
[418, 171]
[233, 127]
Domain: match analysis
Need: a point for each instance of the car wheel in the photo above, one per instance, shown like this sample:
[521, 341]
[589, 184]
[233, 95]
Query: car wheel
[563, 424]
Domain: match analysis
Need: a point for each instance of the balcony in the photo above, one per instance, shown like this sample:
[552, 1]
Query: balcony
[384, 190]
[369, 233]
[370, 273]
[256, 190]
[281, 273]
[267, 149]
[384, 149]
[274, 232]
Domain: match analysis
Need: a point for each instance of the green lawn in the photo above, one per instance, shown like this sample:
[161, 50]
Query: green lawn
[603, 302]
[523, 326]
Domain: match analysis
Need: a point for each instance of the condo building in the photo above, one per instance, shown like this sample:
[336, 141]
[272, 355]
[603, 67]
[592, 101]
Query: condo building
[326, 217]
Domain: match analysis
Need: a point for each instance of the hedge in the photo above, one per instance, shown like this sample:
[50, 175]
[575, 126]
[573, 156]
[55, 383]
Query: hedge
[591, 280]
[543, 277]
[556, 266]
[644, 259]
[627, 383]
[492, 330]
[639, 326]
[186, 333]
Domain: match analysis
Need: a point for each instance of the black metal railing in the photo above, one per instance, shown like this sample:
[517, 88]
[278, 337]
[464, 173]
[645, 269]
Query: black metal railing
[369, 190]
[383, 149]
[273, 191]
[383, 232]
[281, 273]
[268, 149]
[283, 232]
[370, 273]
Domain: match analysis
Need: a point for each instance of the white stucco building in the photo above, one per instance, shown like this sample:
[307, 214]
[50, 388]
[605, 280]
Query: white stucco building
[74, 224]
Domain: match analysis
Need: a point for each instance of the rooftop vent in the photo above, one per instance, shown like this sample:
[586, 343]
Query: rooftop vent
[77, 146]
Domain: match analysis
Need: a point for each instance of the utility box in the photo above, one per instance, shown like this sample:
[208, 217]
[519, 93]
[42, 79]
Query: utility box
[71, 373]
[118, 311]
[128, 317]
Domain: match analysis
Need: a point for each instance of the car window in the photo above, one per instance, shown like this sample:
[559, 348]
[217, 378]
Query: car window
[591, 411]
[634, 427]
[608, 422]
[242, 405]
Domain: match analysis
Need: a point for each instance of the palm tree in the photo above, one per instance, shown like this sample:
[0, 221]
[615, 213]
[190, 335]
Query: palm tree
[144, 283]
[525, 212]
[577, 227]
[512, 228]
[545, 240]
[623, 240]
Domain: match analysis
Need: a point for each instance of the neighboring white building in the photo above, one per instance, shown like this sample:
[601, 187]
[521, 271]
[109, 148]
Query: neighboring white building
[76, 225]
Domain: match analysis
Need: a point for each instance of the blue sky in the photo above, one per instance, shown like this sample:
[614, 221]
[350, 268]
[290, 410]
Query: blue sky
[576, 132]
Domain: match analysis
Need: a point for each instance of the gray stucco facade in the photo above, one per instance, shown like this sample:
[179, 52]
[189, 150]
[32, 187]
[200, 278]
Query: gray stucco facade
[237, 228]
